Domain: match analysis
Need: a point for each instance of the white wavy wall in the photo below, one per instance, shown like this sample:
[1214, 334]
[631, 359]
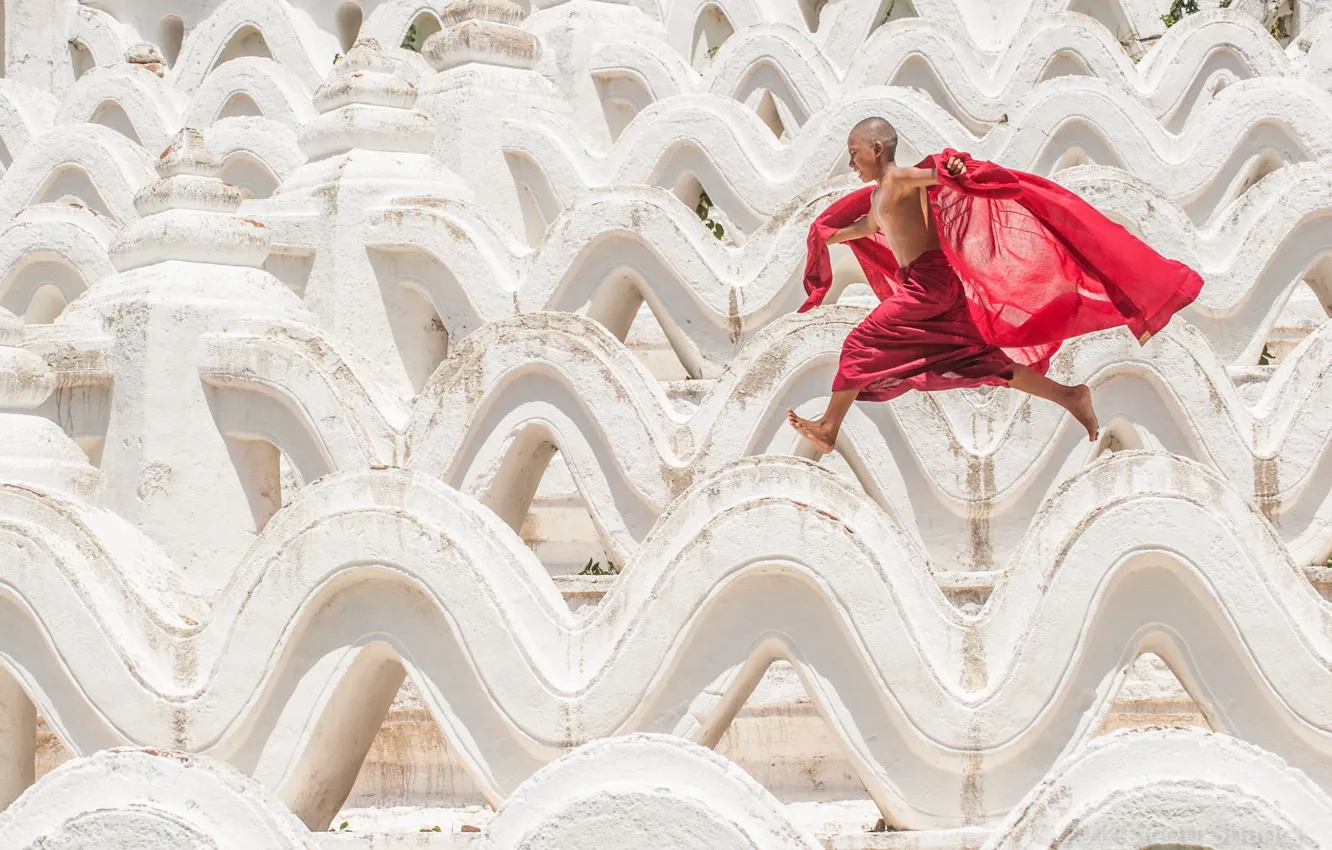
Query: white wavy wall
[392, 410]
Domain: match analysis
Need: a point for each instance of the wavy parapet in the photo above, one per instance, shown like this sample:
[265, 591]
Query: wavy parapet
[685, 633]
[564, 381]
[788, 74]
[1073, 120]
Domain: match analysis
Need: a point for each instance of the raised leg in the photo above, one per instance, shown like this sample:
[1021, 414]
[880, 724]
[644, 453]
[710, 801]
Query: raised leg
[1076, 400]
[822, 432]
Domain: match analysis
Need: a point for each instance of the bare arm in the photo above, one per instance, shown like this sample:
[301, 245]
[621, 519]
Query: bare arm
[866, 226]
[906, 179]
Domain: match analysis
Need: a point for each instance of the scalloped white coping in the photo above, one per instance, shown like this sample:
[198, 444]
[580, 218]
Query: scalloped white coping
[129, 799]
[1170, 786]
[641, 791]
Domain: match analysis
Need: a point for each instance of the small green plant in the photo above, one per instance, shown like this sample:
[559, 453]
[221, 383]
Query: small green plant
[434, 828]
[342, 826]
[704, 212]
[337, 57]
[594, 568]
[1132, 45]
[409, 40]
[1178, 9]
[712, 51]
[1278, 19]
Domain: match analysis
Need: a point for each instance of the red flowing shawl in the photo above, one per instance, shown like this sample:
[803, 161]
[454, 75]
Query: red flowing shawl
[1039, 264]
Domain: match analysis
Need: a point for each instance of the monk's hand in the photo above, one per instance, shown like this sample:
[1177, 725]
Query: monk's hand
[956, 166]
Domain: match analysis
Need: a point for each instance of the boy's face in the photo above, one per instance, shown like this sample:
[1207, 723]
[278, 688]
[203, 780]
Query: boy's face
[864, 158]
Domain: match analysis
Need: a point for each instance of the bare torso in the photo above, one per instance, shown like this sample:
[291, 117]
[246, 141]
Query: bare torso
[903, 216]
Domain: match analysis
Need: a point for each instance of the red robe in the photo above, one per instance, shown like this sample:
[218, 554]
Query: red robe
[1026, 264]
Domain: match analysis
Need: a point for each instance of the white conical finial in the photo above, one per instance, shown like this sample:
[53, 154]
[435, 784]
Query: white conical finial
[495, 11]
[368, 104]
[188, 153]
[189, 214]
[484, 32]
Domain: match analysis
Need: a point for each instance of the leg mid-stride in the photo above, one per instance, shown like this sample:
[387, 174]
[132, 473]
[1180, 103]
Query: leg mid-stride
[1077, 400]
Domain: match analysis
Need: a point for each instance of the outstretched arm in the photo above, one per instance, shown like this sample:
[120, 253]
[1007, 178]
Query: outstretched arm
[907, 178]
[866, 226]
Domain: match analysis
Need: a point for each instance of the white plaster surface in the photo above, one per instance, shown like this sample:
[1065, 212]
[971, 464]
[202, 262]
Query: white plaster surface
[389, 436]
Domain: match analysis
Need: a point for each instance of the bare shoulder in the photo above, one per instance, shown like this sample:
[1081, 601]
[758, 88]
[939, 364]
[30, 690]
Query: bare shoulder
[885, 193]
[898, 184]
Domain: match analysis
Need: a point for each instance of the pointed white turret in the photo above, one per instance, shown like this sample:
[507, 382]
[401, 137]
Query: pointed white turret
[484, 56]
[190, 265]
[369, 145]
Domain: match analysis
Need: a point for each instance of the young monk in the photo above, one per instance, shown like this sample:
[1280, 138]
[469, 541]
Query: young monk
[982, 273]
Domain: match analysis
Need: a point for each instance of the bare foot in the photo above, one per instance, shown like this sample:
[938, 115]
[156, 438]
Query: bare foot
[1080, 406]
[822, 436]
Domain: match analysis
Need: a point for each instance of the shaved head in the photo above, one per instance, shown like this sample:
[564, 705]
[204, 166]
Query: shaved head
[876, 129]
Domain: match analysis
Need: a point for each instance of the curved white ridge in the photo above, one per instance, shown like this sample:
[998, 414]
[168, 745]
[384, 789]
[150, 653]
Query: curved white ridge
[1177, 75]
[734, 154]
[273, 89]
[1156, 786]
[100, 34]
[389, 557]
[1170, 786]
[148, 105]
[1220, 46]
[566, 379]
[74, 159]
[261, 143]
[684, 271]
[300, 49]
[640, 788]
[990, 28]
[58, 244]
[123, 798]
[25, 113]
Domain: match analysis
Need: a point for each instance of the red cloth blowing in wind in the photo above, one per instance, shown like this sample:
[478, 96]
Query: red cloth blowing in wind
[1026, 264]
